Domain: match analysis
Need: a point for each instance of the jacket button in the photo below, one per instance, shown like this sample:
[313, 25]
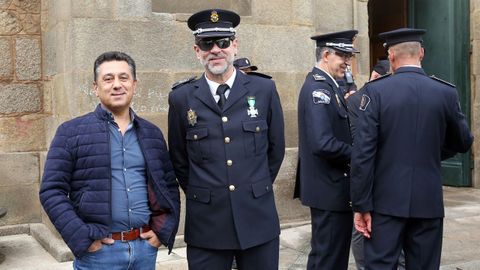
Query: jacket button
[229, 162]
[231, 187]
[227, 139]
[195, 196]
[345, 174]
[350, 203]
[267, 188]
[257, 129]
[224, 119]
[195, 137]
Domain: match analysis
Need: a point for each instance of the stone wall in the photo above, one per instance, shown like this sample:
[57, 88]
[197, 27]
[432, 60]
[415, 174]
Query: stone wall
[22, 134]
[47, 49]
[475, 84]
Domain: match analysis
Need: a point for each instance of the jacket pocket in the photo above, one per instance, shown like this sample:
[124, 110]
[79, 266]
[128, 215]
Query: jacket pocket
[255, 137]
[261, 188]
[198, 194]
[198, 146]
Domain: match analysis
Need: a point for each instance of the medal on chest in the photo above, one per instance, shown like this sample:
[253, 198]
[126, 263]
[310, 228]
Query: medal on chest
[251, 111]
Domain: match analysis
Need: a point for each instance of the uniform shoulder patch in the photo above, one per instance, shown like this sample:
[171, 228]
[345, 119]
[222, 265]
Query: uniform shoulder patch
[318, 77]
[321, 96]
[442, 81]
[364, 102]
[182, 82]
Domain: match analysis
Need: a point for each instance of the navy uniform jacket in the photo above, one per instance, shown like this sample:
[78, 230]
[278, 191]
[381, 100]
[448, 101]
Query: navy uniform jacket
[407, 120]
[324, 145]
[353, 103]
[226, 161]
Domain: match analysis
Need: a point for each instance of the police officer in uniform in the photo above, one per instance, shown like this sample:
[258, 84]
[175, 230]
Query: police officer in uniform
[408, 123]
[324, 152]
[226, 139]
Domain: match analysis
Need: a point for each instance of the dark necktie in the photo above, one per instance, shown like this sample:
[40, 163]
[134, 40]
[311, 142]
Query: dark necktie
[221, 92]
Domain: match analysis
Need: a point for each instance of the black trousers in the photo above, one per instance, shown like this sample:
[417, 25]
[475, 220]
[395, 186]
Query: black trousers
[421, 239]
[261, 257]
[331, 234]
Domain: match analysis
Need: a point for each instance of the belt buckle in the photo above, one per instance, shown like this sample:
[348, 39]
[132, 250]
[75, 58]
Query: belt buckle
[121, 236]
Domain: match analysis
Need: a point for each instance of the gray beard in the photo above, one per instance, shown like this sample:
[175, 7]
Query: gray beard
[217, 70]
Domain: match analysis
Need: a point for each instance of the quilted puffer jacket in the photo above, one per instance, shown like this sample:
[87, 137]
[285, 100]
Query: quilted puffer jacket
[76, 186]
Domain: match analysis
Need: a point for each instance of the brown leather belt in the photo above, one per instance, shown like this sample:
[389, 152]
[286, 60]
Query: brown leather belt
[130, 235]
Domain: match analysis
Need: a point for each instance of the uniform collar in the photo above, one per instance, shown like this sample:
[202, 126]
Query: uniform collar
[415, 69]
[214, 85]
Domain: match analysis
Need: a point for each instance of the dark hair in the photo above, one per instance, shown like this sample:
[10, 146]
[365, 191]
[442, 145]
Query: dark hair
[113, 56]
[382, 67]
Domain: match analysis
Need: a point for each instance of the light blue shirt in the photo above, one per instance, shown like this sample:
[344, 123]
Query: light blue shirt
[129, 181]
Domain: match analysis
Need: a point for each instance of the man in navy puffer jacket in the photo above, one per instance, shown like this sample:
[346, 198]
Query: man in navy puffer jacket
[108, 185]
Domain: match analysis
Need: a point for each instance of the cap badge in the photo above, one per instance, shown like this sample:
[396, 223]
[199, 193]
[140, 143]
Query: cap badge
[252, 111]
[192, 117]
[214, 17]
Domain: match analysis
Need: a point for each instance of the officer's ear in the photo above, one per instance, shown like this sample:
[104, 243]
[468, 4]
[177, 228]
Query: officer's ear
[422, 53]
[235, 45]
[325, 54]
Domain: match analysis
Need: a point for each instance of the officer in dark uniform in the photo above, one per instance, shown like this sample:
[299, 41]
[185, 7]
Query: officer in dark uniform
[382, 68]
[226, 139]
[323, 180]
[245, 65]
[409, 121]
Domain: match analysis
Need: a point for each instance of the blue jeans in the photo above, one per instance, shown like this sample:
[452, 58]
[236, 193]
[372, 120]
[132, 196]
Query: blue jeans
[132, 255]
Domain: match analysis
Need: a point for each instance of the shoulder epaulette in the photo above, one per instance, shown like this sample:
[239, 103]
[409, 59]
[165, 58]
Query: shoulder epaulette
[318, 77]
[442, 81]
[381, 77]
[259, 74]
[182, 82]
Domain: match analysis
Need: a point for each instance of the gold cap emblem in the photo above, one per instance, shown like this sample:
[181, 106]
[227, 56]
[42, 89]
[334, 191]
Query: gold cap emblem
[214, 16]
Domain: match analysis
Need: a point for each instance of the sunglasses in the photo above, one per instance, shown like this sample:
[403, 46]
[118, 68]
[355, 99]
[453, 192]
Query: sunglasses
[207, 45]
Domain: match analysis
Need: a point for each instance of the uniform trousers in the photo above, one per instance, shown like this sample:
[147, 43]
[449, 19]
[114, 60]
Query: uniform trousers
[421, 239]
[358, 251]
[331, 234]
[261, 257]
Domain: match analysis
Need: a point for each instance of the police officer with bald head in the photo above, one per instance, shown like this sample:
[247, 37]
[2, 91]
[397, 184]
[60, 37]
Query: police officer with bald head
[226, 140]
[408, 123]
[325, 146]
